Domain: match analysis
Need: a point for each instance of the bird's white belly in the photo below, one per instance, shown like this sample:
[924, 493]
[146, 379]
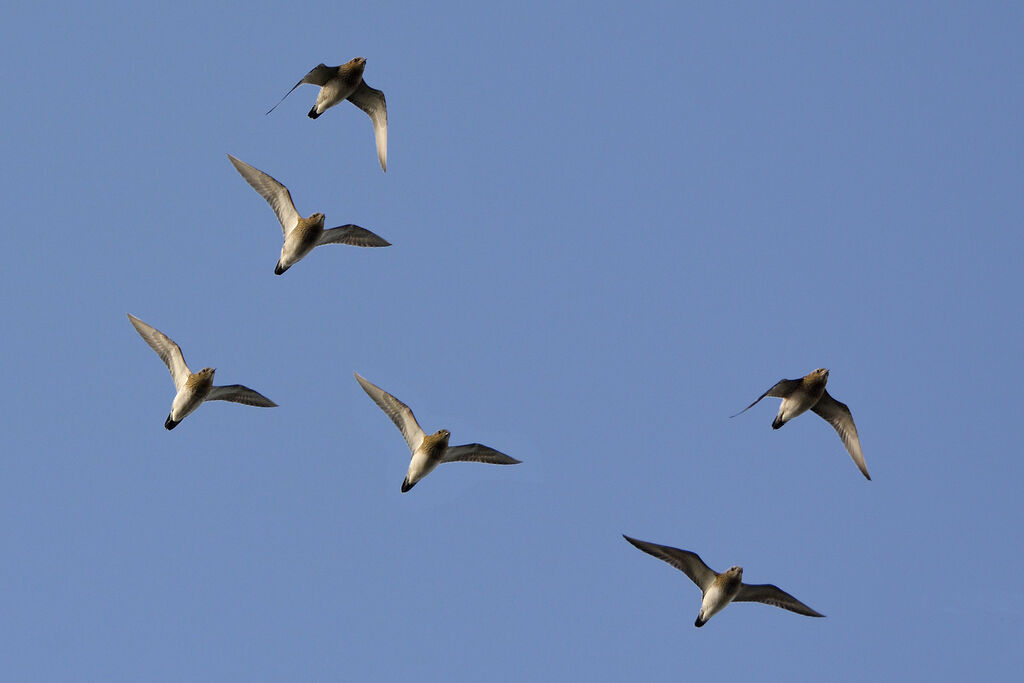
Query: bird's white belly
[714, 601]
[185, 403]
[333, 92]
[420, 466]
[792, 407]
[295, 248]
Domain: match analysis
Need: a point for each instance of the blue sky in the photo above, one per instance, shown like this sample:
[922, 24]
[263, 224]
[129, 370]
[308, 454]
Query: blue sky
[613, 226]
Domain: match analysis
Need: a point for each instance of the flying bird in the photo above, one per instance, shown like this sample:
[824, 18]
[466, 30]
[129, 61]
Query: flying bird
[719, 590]
[808, 393]
[345, 82]
[193, 387]
[428, 450]
[301, 234]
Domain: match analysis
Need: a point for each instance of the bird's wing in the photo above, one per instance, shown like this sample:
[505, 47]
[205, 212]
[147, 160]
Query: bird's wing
[169, 352]
[474, 452]
[683, 560]
[319, 75]
[353, 235]
[236, 393]
[372, 102]
[781, 389]
[839, 416]
[775, 596]
[399, 413]
[275, 193]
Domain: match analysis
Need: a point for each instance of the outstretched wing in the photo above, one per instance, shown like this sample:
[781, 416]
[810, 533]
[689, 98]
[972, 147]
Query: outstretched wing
[236, 393]
[372, 102]
[276, 194]
[399, 413]
[474, 452]
[839, 416]
[319, 75]
[353, 235]
[683, 560]
[169, 352]
[774, 596]
[781, 389]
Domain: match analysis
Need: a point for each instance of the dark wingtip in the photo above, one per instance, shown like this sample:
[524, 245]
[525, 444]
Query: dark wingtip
[777, 423]
[406, 485]
[312, 113]
[278, 269]
[699, 623]
[170, 424]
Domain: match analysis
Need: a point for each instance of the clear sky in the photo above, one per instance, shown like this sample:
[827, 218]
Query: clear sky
[614, 226]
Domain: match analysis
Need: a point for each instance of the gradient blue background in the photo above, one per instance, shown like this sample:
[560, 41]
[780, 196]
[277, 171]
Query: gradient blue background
[613, 226]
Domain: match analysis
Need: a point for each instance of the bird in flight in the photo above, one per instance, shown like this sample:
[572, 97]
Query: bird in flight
[428, 450]
[193, 387]
[301, 235]
[345, 82]
[719, 590]
[808, 393]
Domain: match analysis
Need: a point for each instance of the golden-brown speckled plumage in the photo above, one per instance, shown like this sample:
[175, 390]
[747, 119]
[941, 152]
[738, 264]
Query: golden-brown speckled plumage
[200, 382]
[434, 445]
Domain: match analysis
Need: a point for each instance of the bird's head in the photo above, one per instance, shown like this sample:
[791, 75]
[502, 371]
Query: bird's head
[355, 66]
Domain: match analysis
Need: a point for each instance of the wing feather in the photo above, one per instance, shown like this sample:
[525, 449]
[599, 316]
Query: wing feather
[352, 235]
[276, 194]
[372, 102]
[169, 352]
[683, 560]
[774, 596]
[475, 452]
[236, 393]
[839, 416]
[781, 389]
[399, 413]
[318, 75]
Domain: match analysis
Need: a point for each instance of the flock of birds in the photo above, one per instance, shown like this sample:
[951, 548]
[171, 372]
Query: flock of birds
[301, 235]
